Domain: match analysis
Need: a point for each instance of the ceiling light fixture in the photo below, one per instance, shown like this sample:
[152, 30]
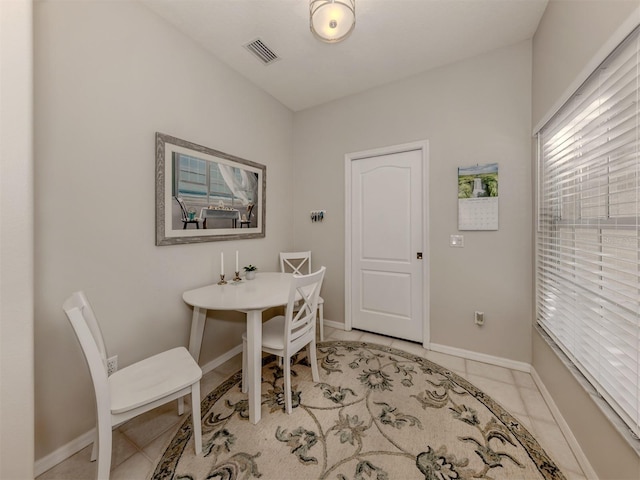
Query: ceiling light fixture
[332, 20]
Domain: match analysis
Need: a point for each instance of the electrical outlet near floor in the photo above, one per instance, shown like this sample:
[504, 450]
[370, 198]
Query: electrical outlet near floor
[112, 364]
[479, 318]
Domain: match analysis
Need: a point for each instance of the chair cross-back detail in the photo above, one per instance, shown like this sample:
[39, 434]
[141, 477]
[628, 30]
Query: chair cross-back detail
[285, 335]
[185, 215]
[135, 389]
[299, 263]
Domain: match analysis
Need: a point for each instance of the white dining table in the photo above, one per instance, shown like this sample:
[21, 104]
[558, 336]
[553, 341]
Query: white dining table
[220, 213]
[266, 290]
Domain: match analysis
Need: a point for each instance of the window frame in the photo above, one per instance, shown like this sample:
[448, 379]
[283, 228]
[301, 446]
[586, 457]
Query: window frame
[556, 220]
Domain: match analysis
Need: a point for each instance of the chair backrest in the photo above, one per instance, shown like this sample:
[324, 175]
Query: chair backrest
[250, 210]
[300, 316]
[87, 330]
[298, 263]
[185, 215]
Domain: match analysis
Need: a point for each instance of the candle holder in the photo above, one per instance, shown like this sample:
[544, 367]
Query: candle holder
[222, 281]
[237, 277]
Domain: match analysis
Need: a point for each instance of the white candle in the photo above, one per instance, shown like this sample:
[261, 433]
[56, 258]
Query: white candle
[221, 263]
[237, 261]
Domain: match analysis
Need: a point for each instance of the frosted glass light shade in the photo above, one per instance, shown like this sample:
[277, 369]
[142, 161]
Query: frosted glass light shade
[332, 20]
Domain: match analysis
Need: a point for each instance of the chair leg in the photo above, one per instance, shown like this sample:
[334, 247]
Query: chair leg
[180, 406]
[287, 384]
[313, 359]
[321, 320]
[196, 417]
[104, 451]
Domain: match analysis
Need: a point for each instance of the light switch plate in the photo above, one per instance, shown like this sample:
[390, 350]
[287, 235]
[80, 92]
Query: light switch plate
[456, 241]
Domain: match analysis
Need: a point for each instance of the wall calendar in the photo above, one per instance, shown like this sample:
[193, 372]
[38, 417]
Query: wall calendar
[478, 197]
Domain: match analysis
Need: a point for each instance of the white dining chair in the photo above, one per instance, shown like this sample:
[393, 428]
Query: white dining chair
[135, 389]
[186, 220]
[300, 263]
[285, 335]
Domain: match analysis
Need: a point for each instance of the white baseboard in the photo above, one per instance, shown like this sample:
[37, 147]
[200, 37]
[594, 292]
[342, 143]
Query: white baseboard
[459, 352]
[481, 357]
[216, 362]
[333, 324]
[61, 454]
[581, 458]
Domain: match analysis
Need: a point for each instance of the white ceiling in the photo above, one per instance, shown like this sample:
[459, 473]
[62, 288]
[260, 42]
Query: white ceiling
[393, 39]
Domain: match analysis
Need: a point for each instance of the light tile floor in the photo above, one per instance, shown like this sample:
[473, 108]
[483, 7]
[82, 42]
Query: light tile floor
[139, 443]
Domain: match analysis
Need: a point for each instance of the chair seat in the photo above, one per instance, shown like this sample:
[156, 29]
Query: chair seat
[152, 378]
[272, 333]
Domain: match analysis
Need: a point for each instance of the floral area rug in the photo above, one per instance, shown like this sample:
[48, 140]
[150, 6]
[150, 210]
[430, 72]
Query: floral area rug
[377, 413]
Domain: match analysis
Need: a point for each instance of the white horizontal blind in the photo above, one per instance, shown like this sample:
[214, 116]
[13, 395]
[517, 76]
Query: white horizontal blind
[588, 235]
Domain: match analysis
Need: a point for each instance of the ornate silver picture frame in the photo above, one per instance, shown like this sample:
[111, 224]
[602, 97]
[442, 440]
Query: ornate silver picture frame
[204, 195]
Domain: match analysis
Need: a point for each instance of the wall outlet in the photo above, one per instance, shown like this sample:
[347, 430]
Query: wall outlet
[112, 364]
[479, 318]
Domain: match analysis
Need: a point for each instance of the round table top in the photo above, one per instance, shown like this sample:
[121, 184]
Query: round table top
[266, 290]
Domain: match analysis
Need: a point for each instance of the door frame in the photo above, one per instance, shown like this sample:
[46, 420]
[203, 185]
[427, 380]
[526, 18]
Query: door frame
[423, 147]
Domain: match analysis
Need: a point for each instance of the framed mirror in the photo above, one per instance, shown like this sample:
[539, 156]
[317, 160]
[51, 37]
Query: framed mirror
[203, 195]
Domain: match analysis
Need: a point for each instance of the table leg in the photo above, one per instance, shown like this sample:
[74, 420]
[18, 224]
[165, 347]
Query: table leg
[254, 361]
[197, 330]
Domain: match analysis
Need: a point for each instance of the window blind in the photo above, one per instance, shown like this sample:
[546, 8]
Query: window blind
[588, 229]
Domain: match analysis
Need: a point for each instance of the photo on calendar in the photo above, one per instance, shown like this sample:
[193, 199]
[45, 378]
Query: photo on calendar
[478, 181]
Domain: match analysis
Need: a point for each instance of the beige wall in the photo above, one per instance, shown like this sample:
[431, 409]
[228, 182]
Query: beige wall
[570, 41]
[476, 111]
[16, 241]
[572, 38]
[108, 75]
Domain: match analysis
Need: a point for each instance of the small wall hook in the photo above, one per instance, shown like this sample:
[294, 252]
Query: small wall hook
[317, 215]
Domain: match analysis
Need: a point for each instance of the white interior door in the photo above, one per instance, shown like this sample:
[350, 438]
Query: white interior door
[387, 245]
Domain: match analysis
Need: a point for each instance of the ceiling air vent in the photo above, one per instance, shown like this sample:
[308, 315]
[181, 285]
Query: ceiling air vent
[262, 52]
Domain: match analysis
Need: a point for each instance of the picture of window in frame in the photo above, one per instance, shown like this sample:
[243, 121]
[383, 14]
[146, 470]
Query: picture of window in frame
[204, 195]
